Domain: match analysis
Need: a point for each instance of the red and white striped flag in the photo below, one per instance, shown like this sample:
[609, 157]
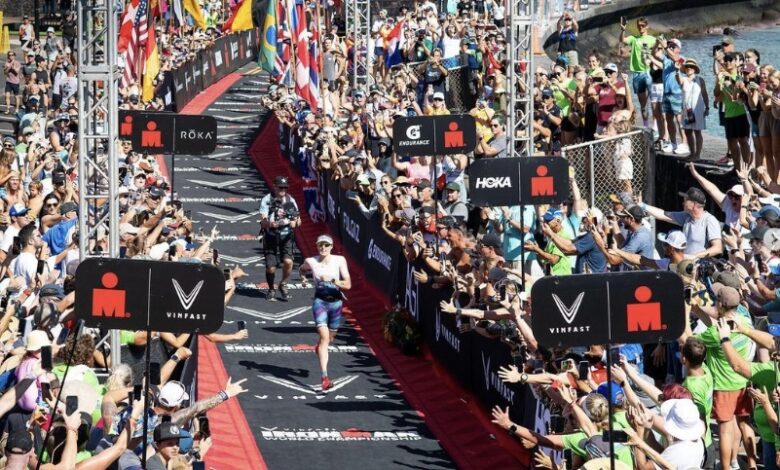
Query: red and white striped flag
[301, 37]
[134, 53]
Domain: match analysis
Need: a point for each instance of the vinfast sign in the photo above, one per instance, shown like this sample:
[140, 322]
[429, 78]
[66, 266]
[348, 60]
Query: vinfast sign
[434, 135]
[629, 307]
[513, 181]
[163, 296]
[158, 133]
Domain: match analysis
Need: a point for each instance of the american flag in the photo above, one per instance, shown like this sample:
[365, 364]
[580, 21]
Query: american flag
[134, 55]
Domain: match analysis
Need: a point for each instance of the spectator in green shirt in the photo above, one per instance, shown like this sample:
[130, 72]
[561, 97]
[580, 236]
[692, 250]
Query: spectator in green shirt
[560, 264]
[762, 376]
[730, 90]
[730, 398]
[699, 383]
[641, 44]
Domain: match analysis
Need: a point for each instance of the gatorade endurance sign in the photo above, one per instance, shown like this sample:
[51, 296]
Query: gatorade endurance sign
[630, 307]
[164, 296]
[434, 135]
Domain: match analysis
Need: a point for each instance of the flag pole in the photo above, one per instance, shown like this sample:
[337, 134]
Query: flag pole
[320, 56]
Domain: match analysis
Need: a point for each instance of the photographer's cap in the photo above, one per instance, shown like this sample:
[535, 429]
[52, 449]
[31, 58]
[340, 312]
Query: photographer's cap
[324, 239]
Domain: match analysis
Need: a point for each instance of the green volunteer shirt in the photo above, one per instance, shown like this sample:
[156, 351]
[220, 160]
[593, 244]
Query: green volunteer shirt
[126, 338]
[762, 376]
[701, 390]
[560, 98]
[731, 108]
[636, 61]
[572, 442]
[563, 266]
[723, 376]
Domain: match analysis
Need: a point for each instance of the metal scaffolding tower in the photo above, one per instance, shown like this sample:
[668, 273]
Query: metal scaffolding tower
[98, 175]
[359, 24]
[520, 72]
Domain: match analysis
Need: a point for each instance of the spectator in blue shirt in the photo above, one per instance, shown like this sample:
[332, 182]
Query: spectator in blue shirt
[56, 237]
[638, 241]
[590, 259]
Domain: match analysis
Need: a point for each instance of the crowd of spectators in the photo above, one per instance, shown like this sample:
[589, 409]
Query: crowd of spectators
[683, 404]
[46, 354]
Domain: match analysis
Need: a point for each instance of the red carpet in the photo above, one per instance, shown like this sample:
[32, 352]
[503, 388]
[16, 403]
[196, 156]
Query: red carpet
[234, 445]
[455, 417]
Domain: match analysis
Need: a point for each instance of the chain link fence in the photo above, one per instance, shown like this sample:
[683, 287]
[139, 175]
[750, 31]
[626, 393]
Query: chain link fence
[596, 172]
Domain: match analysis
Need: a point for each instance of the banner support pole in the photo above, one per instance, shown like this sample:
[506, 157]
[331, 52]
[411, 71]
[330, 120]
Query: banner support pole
[147, 361]
[610, 408]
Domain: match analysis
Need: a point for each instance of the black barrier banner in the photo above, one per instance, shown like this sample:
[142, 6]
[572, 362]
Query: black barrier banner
[162, 296]
[179, 92]
[219, 57]
[333, 204]
[353, 228]
[205, 72]
[629, 307]
[381, 256]
[197, 85]
[435, 135]
[168, 132]
[197, 73]
[513, 181]
[494, 181]
[234, 52]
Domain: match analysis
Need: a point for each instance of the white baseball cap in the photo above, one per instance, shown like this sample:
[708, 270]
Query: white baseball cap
[676, 239]
[172, 394]
[737, 189]
[324, 239]
[438, 95]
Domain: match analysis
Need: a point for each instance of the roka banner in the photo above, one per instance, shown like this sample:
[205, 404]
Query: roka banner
[131, 294]
[435, 135]
[158, 133]
[516, 181]
[613, 308]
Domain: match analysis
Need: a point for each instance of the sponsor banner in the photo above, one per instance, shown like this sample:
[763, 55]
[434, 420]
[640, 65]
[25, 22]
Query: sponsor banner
[544, 180]
[381, 257]
[494, 181]
[135, 295]
[205, 72]
[168, 132]
[435, 135]
[630, 307]
[514, 181]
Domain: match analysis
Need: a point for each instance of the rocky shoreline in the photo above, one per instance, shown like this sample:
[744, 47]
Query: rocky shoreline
[600, 30]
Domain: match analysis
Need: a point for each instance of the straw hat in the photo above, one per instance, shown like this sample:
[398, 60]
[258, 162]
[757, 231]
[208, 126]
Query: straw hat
[692, 63]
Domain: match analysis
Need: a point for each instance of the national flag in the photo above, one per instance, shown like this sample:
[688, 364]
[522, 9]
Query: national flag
[393, 45]
[268, 43]
[193, 8]
[301, 38]
[178, 12]
[134, 51]
[152, 65]
[314, 66]
[127, 25]
[282, 60]
[249, 15]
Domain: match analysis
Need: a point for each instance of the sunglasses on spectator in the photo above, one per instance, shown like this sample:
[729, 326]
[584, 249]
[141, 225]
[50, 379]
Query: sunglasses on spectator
[154, 198]
[324, 244]
[398, 195]
[52, 204]
[729, 59]
[8, 146]
[495, 124]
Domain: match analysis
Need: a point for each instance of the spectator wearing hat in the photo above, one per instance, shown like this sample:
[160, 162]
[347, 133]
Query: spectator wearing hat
[453, 205]
[607, 96]
[731, 203]
[552, 256]
[495, 146]
[19, 219]
[58, 137]
[590, 259]
[29, 368]
[730, 398]
[18, 450]
[641, 44]
[551, 119]
[166, 443]
[638, 239]
[435, 105]
[701, 229]
[727, 90]
[695, 106]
